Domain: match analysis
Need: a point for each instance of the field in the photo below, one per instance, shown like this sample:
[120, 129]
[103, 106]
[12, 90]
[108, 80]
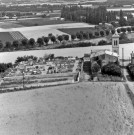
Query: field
[39, 22]
[39, 31]
[77, 109]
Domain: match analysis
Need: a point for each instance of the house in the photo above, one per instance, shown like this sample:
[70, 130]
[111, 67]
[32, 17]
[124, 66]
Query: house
[86, 57]
[104, 57]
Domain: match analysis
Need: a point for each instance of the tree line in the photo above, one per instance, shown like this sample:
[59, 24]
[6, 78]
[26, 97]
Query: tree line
[88, 15]
[96, 15]
[44, 40]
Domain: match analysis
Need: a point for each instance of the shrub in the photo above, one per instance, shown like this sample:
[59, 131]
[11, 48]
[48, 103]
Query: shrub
[102, 42]
[95, 67]
[111, 69]
[81, 44]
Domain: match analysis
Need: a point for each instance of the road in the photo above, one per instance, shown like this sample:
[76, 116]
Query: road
[128, 82]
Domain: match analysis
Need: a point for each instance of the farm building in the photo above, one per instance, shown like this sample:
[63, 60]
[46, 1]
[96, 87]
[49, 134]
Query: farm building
[11, 36]
[104, 56]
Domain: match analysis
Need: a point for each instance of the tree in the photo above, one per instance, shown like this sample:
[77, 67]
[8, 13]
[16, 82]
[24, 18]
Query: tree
[102, 33]
[48, 56]
[90, 35]
[66, 37]
[113, 31]
[25, 58]
[31, 42]
[46, 40]
[40, 41]
[8, 45]
[123, 30]
[73, 36]
[129, 29]
[79, 36]
[95, 67]
[111, 69]
[85, 35]
[119, 30]
[96, 34]
[102, 42]
[53, 39]
[107, 32]
[1, 45]
[60, 38]
[122, 20]
[24, 42]
[132, 28]
[15, 44]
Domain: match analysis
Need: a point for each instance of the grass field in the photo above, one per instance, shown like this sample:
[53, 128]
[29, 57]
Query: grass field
[78, 109]
[39, 22]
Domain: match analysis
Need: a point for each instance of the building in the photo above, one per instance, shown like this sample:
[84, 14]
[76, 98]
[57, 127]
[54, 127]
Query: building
[103, 57]
[115, 43]
[86, 57]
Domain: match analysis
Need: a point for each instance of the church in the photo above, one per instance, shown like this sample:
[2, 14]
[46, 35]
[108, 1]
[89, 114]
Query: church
[107, 56]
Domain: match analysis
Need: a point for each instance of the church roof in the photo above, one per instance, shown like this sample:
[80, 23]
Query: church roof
[102, 52]
[115, 36]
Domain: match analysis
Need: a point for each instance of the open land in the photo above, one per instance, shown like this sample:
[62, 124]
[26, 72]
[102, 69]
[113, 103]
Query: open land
[39, 31]
[82, 109]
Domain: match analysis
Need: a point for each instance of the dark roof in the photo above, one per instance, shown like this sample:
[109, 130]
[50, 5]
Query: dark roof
[11, 36]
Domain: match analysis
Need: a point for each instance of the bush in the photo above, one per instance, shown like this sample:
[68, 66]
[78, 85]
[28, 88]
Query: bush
[102, 42]
[81, 44]
[130, 68]
[111, 69]
[95, 67]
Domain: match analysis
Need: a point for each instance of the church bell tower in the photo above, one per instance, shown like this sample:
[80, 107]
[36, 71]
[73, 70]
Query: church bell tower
[115, 43]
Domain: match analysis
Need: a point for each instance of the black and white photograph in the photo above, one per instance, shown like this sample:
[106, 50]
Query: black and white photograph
[66, 67]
